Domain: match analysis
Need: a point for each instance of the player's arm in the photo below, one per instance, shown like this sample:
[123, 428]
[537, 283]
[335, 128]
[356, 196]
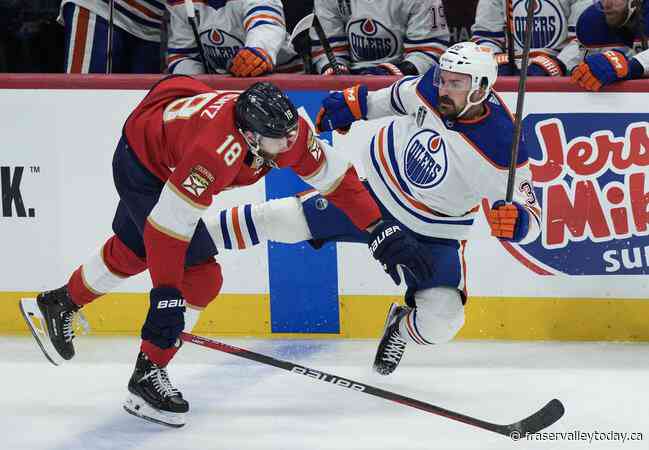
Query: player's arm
[341, 109]
[335, 178]
[333, 25]
[426, 37]
[488, 31]
[182, 50]
[265, 33]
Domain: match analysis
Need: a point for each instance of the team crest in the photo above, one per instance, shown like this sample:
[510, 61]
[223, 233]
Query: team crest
[549, 23]
[220, 47]
[370, 40]
[198, 181]
[425, 159]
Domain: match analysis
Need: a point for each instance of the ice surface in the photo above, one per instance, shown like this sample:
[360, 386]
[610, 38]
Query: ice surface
[239, 404]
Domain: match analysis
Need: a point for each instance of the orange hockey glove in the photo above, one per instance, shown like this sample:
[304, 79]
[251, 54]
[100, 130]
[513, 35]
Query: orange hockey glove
[509, 222]
[250, 62]
[340, 109]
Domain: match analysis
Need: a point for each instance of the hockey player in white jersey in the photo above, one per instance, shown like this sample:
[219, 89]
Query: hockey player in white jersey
[614, 34]
[245, 38]
[380, 37]
[136, 35]
[428, 171]
[554, 49]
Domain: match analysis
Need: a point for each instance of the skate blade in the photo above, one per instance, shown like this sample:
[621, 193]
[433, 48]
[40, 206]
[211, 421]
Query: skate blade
[36, 323]
[377, 365]
[139, 408]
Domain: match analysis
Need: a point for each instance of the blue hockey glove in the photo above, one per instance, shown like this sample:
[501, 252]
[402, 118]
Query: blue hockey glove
[545, 66]
[341, 109]
[393, 246]
[166, 317]
[382, 69]
[509, 222]
[601, 69]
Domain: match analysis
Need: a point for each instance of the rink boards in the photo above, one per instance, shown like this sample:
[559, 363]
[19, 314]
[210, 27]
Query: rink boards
[584, 279]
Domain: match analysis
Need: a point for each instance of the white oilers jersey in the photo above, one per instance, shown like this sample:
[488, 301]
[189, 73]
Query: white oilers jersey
[141, 18]
[224, 27]
[555, 22]
[364, 33]
[431, 174]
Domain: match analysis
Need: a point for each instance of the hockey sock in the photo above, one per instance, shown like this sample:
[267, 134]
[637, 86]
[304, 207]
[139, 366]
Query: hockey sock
[104, 271]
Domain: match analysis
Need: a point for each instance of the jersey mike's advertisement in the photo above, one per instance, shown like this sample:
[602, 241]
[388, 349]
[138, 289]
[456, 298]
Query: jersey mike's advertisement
[588, 162]
[589, 171]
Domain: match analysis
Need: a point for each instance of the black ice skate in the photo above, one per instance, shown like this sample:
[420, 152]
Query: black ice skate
[50, 319]
[152, 397]
[392, 345]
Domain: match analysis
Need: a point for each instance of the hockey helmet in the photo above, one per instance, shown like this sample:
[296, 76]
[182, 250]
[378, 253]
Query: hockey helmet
[471, 59]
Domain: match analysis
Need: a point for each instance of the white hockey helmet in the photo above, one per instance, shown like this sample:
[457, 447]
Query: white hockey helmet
[474, 60]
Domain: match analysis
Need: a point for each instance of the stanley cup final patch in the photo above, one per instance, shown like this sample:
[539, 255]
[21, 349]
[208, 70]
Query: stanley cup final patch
[198, 180]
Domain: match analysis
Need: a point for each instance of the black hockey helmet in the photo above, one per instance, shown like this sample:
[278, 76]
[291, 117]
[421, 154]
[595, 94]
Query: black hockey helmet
[265, 109]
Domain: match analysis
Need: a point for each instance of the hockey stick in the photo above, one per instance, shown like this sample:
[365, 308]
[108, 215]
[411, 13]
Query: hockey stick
[541, 419]
[191, 17]
[322, 37]
[109, 48]
[509, 29]
[520, 101]
[302, 42]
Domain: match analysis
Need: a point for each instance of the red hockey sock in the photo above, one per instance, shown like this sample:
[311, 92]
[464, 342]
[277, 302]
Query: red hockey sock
[158, 356]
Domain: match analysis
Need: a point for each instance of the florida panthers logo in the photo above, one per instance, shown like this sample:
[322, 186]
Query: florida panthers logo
[219, 46]
[549, 23]
[370, 40]
[425, 159]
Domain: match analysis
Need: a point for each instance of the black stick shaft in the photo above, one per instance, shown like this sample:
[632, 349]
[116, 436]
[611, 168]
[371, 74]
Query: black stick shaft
[201, 53]
[509, 27]
[111, 25]
[520, 102]
[326, 46]
[358, 386]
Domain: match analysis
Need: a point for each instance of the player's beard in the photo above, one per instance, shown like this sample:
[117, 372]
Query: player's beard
[447, 108]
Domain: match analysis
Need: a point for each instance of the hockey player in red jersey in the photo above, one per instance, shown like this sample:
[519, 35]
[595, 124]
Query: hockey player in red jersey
[183, 144]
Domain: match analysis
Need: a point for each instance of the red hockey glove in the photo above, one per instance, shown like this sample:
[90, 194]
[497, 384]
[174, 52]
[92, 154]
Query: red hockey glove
[251, 62]
[601, 69]
[509, 222]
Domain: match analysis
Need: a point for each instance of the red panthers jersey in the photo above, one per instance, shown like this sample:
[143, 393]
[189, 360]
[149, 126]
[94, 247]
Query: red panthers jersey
[184, 132]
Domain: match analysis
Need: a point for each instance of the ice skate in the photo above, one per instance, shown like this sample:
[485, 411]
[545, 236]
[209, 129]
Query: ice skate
[392, 345]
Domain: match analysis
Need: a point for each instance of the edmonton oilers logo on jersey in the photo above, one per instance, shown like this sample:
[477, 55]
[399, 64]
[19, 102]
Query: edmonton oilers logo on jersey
[220, 47]
[371, 40]
[549, 26]
[425, 160]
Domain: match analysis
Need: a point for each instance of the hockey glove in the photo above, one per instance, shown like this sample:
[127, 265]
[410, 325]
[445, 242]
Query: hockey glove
[600, 70]
[166, 317]
[508, 222]
[329, 70]
[382, 69]
[394, 247]
[504, 68]
[250, 62]
[340, 109]
[545, 66]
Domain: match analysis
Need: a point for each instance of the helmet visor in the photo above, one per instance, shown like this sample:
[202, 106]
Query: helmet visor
[275, 146]
[451, 81]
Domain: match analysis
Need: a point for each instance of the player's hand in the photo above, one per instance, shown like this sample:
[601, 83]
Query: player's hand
[395, 247]
[166, 317]
[341, 109]
[600, 70]
[382, 69]
[545, 66]
[508, 222]
[250, 62]
[504, 68]
[328, 69]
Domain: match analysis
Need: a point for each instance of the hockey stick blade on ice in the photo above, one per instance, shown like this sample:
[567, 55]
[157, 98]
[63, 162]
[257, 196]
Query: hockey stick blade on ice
[541, 419]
